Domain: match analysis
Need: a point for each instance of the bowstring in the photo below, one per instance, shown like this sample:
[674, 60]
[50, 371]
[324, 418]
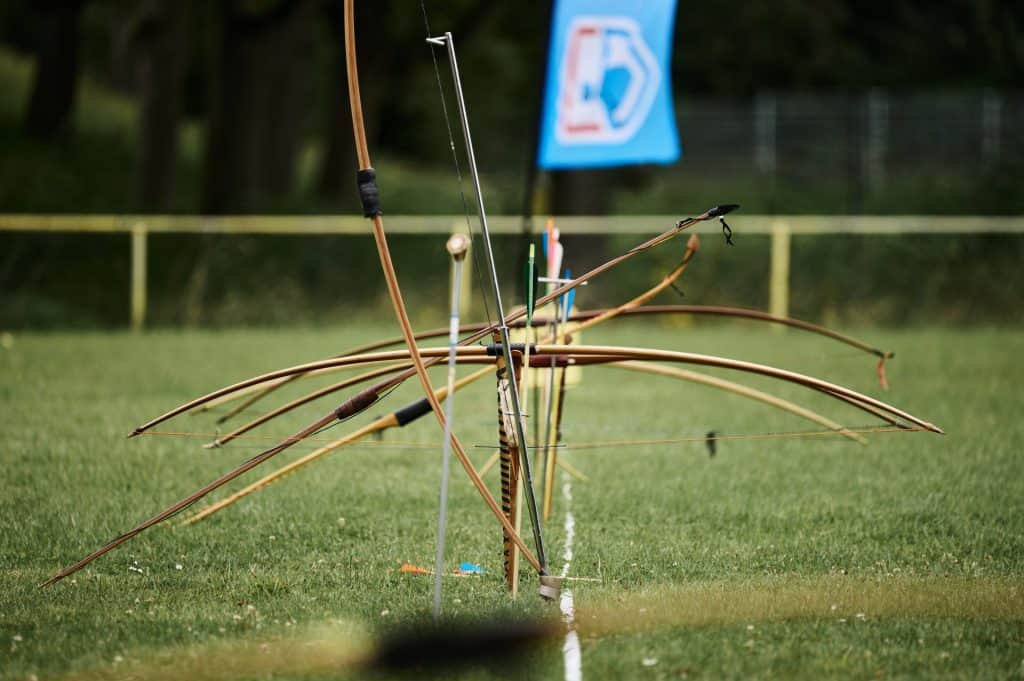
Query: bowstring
[861, 430]
[411, 444]
[477, 269]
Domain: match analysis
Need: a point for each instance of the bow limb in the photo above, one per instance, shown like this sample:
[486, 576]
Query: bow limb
[838, 393]
[369, 429]
[394, 420]
[842, 394]
[257, 392]
[741, 390]
[629, 309]
[757, 315]
[692, 246]
[414, 411]
[307, 368]
[305, 399]
[187, 501]
[853, 397]
[194, 497]
[372, 210]
[627, 359]
[641, 310]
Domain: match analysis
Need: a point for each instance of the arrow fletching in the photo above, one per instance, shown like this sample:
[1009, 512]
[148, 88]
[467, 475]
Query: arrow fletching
[531, 284]
[569, 297]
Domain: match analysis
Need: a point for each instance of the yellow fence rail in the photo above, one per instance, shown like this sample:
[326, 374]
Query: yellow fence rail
[781, 228]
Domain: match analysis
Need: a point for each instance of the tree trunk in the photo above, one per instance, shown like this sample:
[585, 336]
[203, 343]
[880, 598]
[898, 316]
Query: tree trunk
[227, 167]
[53, 88]
[243, 121]
[286, 55]
[161, 37]
[583, 192]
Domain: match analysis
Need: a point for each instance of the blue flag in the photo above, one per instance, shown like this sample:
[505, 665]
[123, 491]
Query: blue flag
[608, 99]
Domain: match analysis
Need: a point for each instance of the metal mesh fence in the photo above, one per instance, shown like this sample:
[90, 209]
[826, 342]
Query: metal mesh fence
[873, 151]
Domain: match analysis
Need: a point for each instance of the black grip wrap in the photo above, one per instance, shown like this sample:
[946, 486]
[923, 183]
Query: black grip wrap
[411, 412]
[369, 195]
[495, 349]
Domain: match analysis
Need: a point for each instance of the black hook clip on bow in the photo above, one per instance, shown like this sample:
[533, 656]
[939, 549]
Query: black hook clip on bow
[727, 231]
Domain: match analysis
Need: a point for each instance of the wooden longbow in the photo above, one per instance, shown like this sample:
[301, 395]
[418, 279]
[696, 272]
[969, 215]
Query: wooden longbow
[606, 355]
[578, 353]
[470, 353]
[406, 415]
[397, 419]
[667, 281]
[256, 393]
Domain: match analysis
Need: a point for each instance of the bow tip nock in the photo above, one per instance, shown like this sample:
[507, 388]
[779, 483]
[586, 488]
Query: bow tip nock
[550, 588]
[694, 243]
[723, 209]
[457, 245]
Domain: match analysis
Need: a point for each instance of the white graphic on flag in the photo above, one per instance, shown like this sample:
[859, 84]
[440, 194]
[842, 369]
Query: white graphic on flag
[609, 81]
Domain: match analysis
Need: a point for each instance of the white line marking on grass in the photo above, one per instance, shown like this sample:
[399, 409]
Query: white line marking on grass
[571, 648]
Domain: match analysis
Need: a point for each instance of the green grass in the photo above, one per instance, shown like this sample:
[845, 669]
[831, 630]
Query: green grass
[712, 567]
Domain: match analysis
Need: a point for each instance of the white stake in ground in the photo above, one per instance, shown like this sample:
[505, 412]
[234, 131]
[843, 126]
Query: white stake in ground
[457, 246]
[571, 652]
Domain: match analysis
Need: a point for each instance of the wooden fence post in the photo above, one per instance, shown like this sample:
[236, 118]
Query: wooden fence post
[138, 285]
[779, 288]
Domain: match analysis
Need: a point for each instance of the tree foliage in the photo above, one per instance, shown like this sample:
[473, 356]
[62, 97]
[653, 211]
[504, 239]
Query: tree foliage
[265, 78]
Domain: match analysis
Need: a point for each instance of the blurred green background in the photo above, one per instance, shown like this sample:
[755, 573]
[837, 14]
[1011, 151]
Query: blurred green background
[240, 107]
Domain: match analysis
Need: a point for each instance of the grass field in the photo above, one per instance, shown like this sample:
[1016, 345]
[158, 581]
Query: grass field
[803, 557]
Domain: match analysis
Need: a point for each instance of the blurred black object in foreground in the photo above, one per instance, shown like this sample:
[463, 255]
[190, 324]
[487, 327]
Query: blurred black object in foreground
[499, 644]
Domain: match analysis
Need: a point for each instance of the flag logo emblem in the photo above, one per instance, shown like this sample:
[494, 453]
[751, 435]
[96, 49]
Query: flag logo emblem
[609, 80]
[608, 85]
